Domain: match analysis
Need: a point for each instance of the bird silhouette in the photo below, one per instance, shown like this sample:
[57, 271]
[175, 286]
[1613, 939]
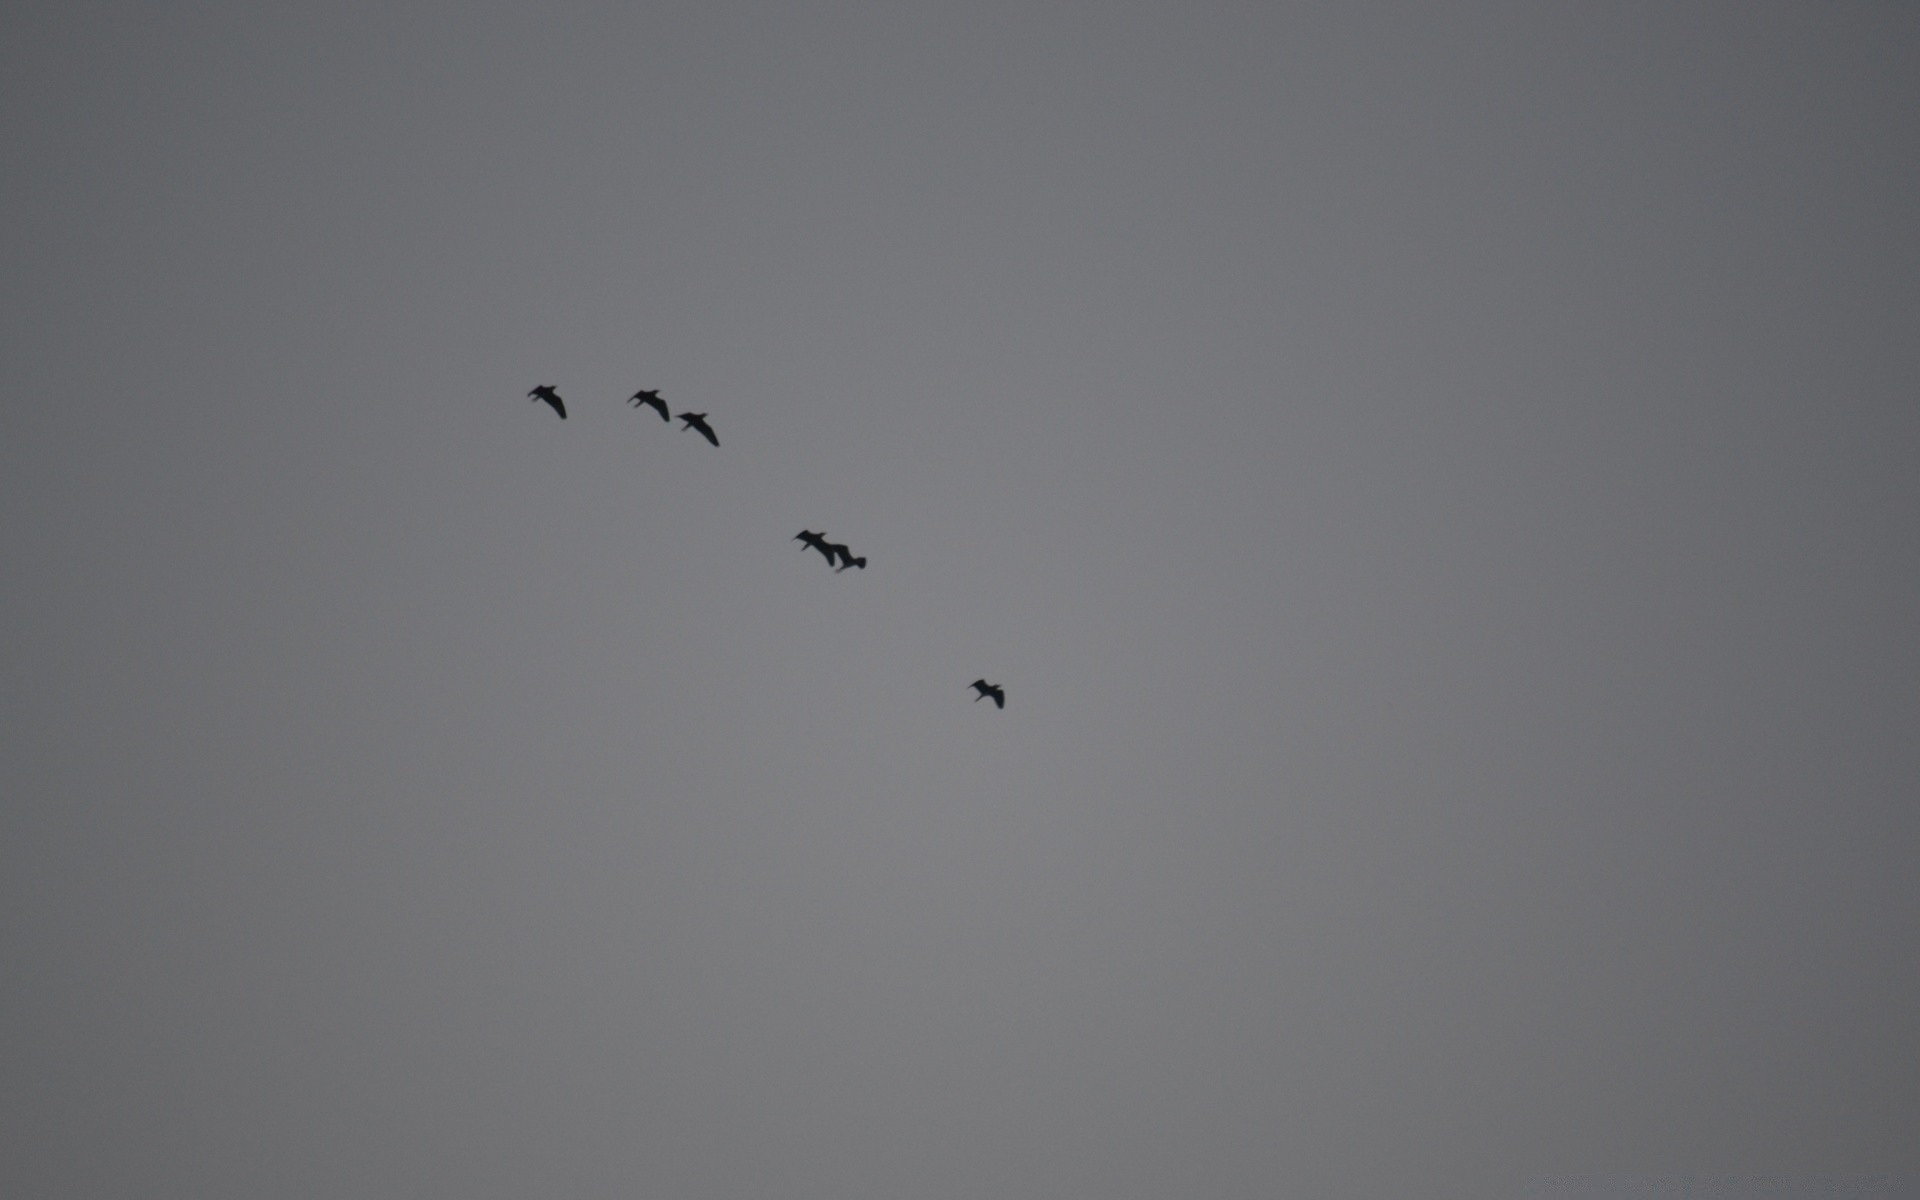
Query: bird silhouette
[990, 689]
[846, 556]
[818, 541]
[698, 421]
[653, 398]
[545, 392]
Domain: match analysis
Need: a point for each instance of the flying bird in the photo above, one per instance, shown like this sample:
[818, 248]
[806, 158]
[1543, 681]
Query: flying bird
[545, 392]
[653, 398]
[990, 689]
[698, 421]
[818, 541]
[846, 556]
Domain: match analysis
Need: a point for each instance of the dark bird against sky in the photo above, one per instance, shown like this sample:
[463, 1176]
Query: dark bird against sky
[698, 421]
[990, 689]
[818, 541]
[545, 392]
[653, 398]
[846, 556]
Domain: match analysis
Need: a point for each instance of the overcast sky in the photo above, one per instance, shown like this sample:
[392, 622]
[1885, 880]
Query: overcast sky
[1437, 484]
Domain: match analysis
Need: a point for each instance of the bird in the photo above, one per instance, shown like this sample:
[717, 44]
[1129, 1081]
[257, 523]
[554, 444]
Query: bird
[545, 392]
[653, 398]
[818, 541]
[698, 421]
[846, 556]
[990, 689]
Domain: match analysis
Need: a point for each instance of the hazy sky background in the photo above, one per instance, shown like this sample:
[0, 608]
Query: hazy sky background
[1437, 483]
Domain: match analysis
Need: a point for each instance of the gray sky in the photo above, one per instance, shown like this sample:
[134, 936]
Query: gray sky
[1437, 484]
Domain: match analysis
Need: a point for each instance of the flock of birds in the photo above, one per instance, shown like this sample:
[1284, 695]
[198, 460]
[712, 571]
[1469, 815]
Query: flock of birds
[838, 556]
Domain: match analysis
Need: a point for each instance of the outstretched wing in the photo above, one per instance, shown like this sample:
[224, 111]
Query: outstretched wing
[999, 698]
[653, 400]
[551, 397]
[706, 431]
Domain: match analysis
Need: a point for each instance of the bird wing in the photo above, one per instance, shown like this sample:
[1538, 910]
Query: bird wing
[553, 398]
[999, 698]
[707, 431]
